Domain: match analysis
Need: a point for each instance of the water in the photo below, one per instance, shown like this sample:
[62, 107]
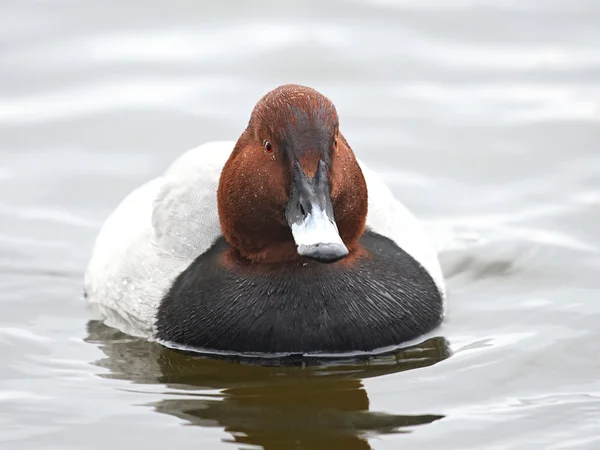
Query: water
[483, 117]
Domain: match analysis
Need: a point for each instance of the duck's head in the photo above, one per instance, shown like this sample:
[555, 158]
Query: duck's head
[292, 188]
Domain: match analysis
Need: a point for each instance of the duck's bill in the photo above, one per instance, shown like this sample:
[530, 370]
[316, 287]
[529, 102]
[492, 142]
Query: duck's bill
[317, 237]
[310, 217]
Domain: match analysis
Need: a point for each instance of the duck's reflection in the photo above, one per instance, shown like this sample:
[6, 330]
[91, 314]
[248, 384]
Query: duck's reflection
[317, 407]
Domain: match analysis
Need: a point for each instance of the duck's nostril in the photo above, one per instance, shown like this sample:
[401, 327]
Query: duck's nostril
[301, 208]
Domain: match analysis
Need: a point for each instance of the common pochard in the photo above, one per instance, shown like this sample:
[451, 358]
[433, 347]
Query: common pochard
[282, 242]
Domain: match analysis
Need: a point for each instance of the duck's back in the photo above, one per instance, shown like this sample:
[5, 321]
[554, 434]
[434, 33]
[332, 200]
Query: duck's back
[152, 236]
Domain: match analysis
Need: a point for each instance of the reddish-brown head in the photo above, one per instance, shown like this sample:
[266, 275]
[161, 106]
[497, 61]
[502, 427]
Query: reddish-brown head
[292, 187]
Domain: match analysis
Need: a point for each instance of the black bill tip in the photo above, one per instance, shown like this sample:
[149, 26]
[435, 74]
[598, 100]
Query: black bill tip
[324, 252]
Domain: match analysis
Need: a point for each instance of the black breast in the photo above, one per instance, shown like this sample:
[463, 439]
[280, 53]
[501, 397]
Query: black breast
[382, 298]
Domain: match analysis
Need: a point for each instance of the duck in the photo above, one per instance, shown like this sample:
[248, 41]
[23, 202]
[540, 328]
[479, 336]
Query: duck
[282, 242]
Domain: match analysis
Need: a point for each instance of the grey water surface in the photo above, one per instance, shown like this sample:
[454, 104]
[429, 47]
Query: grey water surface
[484, 118]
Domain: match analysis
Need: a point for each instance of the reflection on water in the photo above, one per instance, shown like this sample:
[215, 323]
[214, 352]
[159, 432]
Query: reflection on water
[322, 406]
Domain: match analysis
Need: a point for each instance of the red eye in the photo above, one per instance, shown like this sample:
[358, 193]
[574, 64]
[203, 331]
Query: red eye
[268, 147]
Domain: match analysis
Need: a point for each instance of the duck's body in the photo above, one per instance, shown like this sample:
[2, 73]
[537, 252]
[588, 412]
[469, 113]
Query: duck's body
[171, 262]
